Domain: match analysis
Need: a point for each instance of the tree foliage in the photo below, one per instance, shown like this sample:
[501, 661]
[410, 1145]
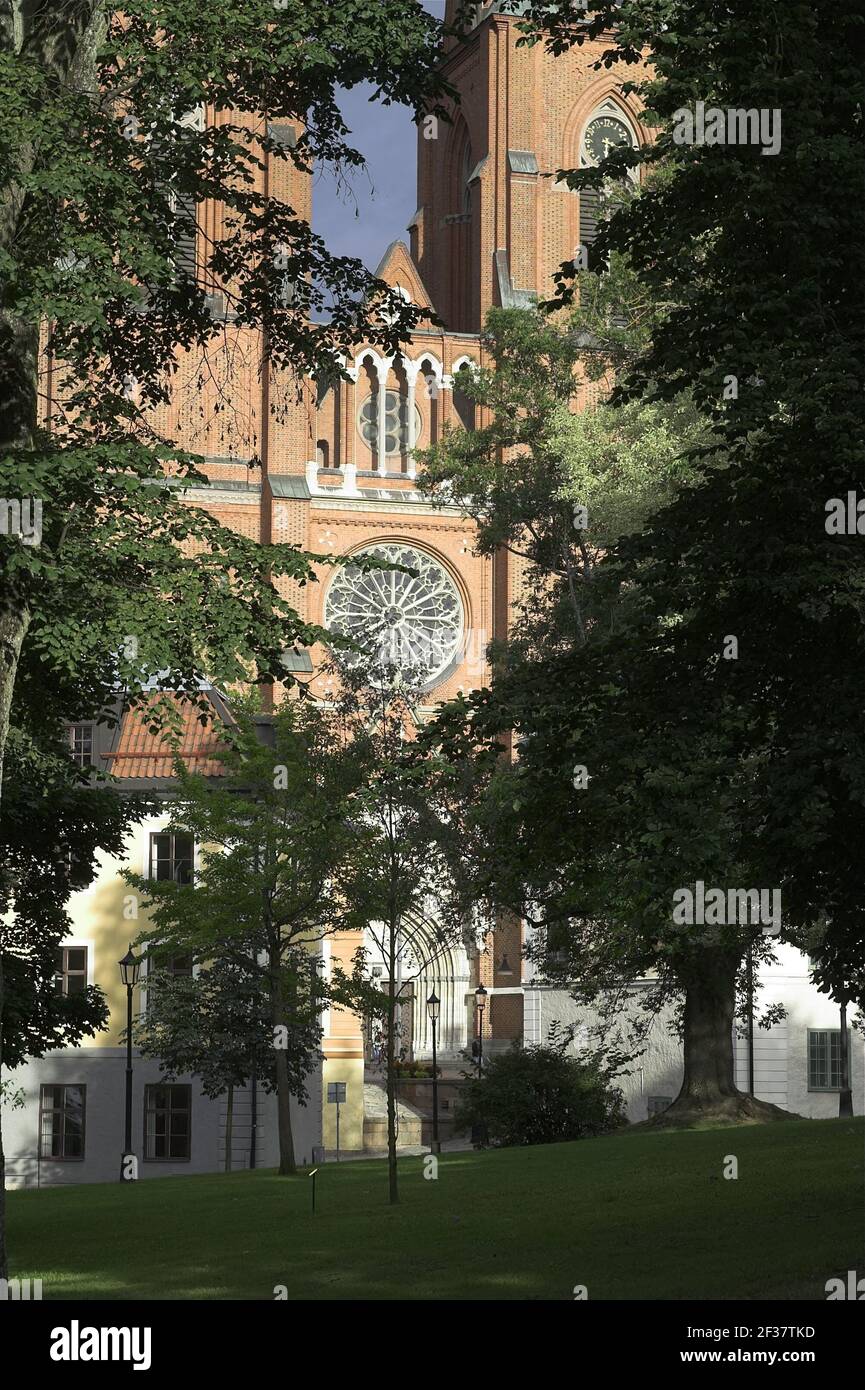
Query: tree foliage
[275, 835]
[104, 168]
[555, 486]
[759, 257]
[54, 824]
[126, 136]
[697, 707]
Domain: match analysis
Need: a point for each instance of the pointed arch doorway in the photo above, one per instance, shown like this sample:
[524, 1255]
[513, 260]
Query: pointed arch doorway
[424, 965]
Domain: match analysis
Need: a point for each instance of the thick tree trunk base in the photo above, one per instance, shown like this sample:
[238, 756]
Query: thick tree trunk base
[716, 1112]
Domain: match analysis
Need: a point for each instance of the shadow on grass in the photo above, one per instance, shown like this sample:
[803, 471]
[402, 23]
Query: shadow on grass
[633, 1216]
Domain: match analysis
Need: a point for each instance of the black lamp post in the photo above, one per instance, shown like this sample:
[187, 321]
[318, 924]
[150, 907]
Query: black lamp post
[433, 1005]
[130, 968]
[480, 1002]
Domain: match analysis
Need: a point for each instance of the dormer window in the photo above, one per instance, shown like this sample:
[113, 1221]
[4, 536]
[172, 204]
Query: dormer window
[390, 315]
[81, 743]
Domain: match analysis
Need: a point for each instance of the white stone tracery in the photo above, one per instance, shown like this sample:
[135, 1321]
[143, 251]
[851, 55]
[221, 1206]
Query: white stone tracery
[412, 621]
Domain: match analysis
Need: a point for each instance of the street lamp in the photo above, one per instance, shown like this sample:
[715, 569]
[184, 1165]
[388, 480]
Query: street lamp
[130, 969]
[480, 1003]
[433, 1004]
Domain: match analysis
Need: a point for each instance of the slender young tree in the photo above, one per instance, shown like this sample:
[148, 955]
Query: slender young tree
[215, 1022]
[275, 837]
[398, 882]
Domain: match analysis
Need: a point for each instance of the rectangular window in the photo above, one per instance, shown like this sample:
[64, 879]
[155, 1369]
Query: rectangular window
[172, 857]
[167, 1122]
[71, 972]
[824, 1059]
[185, 206]
[81, 743]
[185, 236]
[61, 1122]
[557, 946]
[177, 966]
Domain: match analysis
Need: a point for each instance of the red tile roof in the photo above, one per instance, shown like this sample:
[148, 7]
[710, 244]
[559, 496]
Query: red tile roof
[140, 753]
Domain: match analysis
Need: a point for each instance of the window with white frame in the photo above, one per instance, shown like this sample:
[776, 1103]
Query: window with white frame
[824, 1059]
[172, 856]
[396, 422]
[70, 975]
[81, 743]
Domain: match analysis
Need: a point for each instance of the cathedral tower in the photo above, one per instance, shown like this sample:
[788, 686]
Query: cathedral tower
[493, 223]
[338, 467]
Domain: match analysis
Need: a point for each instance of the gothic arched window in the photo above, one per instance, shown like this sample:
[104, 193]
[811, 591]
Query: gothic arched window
[606, 129]
[467, 167]
[396, 422]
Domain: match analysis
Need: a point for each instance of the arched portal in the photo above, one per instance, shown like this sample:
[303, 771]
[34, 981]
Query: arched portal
[425, 964]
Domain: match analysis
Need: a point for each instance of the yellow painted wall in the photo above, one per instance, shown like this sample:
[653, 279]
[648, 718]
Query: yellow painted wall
[349, 1070]
[106, 917]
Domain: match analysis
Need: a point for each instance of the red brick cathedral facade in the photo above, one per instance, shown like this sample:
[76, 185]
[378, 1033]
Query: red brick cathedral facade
[333, 472]
[337, 471]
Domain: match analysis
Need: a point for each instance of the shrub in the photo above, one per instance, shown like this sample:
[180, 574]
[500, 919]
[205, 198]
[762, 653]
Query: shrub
[539, 1095]
[414, 1071]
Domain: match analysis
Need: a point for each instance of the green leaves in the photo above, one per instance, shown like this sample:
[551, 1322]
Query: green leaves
[756, 264]
[91, 182]
[540, 1095]
[119, 133]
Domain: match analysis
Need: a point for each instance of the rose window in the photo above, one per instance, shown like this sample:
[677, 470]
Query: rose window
[406, 620]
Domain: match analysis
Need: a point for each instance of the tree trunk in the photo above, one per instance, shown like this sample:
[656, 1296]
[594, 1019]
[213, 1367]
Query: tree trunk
[229, 1127]
[17, 421]
[4, 1265]
[14, 622]
[390, 1078]
[287, 1165]
[845, 1094]
[393, 1193]
[708, 1094]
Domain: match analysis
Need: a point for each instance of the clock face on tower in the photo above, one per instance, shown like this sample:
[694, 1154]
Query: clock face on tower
[603, 135]
[410, 621]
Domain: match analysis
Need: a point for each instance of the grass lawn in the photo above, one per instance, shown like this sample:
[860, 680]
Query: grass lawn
[635, 1216]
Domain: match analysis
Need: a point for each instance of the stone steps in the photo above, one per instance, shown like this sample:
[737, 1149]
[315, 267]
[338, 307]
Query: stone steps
[409, 1121]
